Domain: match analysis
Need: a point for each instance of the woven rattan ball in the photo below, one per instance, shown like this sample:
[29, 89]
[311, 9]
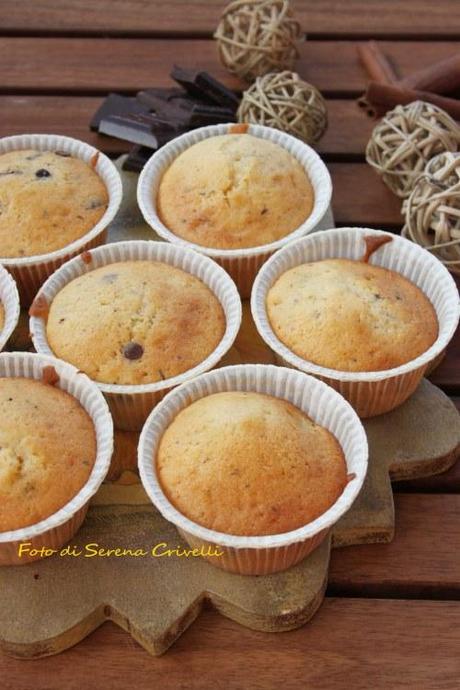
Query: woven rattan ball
[284, 101]
[405, 140]
[256, 37]
[432, 211]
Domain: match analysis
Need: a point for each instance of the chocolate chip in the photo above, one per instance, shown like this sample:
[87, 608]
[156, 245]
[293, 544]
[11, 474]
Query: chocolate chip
[95, 203]
[43, 173]
[133, 351]
[63, 154]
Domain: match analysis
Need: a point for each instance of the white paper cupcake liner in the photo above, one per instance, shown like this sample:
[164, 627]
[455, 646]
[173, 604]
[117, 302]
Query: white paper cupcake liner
[131, 404]
[9, 299]
[30, 272]
[241, 264]
[60, 527]
[370, 393]
[254, 555]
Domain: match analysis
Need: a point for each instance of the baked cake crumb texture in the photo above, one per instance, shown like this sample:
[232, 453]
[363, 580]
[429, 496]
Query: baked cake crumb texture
[234, 191]
[50, 199]
[47, 450]
[351, 316]
[135, 322]
[246, 463]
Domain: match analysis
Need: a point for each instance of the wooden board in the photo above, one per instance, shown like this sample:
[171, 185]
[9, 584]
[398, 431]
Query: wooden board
[177, 17]
[44, 608]
[80, 65]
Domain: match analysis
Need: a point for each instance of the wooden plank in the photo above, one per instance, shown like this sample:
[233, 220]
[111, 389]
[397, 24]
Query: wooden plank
[361, 198]
[89, 65]
[351, 643]
[423, 559]
[347, 135]
[157, 17]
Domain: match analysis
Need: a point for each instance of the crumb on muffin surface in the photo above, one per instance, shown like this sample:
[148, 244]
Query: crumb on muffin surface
[135, 322]
[47, 450]
[234, 191]
[249, 464]
[49, 198]
[351, 316]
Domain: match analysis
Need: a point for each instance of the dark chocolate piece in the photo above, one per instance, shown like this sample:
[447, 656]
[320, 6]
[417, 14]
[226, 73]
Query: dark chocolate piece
[137, 129]
[133, 351]
[137, 158]
[201, 85]
[115, 104]
[43, 173]
[174, 96]
[209, 115]
[167, 103]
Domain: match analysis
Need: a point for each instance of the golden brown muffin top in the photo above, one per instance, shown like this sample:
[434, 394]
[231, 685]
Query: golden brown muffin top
[234, 191]
[48, 199]
[47, 451]
[135, 322]
[249, 464]
[351, 316]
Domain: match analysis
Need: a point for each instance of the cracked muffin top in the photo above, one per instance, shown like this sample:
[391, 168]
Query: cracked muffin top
[350, 315]
[135, 322]
[249, 464]
[234, 191]
[48, 199]
[47, 451]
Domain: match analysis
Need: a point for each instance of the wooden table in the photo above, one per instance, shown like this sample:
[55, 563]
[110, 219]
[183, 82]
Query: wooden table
[392, 615]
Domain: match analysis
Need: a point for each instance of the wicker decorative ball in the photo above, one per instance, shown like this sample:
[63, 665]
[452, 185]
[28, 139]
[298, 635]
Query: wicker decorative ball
[432, 211]
[256, 37]
[284, 101]
[405, 140]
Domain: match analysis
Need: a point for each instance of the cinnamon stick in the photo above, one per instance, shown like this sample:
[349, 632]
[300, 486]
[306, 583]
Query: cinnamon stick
[376, 63]
[383, 97]
[442, 77]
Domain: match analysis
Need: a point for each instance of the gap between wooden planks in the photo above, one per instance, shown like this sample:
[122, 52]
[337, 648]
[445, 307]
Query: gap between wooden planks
[200, 17]
[98, 65]
[351, 643]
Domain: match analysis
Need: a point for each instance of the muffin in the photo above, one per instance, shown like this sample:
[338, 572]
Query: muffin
[47, 450]
[351, 316]
[134, 322]
[246, 463]
[234, 191]
[49, 198]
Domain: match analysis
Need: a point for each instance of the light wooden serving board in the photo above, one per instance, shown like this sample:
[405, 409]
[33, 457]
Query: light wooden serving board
[50, 605]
